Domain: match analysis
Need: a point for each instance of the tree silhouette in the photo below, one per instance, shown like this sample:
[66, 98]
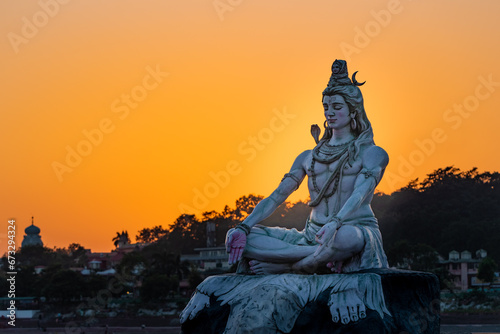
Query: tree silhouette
[245, 205]
[450, 209]
[121, 238]
[149, 235]
[64, 285]
[486, 270]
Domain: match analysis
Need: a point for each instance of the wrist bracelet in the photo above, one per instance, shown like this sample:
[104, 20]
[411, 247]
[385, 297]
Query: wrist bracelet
[244, 227]
[336, 219]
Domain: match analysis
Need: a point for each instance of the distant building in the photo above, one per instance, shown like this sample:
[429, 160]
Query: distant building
[32, 237]
[98, 262]
[463, 267]
[213, 259]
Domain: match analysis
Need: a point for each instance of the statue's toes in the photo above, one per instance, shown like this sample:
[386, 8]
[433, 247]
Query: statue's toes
[255, 267]
[336, 317]
[353, 311]
[344, 315]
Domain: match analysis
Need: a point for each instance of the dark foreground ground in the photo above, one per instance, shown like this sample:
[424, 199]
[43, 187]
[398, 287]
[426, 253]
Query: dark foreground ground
[445, 329]
[450, 324]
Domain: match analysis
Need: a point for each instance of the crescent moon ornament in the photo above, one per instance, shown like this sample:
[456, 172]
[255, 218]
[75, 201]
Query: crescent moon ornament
[355, 82]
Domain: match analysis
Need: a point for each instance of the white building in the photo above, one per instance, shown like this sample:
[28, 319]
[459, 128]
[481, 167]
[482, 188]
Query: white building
[209, 259]
[463, 267]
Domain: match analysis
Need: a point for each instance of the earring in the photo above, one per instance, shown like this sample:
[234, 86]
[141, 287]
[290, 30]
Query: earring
[325, 124]
[353, 124]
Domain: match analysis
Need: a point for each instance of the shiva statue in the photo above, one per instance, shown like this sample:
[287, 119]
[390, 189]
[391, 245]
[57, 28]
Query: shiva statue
[342, 171]
[278, 286]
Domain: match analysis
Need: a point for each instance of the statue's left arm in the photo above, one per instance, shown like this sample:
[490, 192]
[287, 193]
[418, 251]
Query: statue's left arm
[374, 161]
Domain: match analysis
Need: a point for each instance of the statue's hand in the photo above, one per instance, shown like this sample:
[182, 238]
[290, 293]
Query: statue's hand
[324, 238]
[235, 244]
[326, 233]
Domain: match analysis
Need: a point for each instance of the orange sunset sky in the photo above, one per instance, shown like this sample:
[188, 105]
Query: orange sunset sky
[118, 115]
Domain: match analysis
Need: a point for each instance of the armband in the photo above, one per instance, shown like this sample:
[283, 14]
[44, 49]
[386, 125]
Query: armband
[244, 227]
[293, 177]
[369, 173]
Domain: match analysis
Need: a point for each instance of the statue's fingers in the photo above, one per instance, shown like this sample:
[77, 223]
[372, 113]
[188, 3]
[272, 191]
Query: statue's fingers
[232, 255]
[239, 253]
[320, 234]
[235, 255]
[228, 243]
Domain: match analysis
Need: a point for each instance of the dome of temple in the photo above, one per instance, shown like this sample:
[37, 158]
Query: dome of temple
[32, 229]
[32, 237]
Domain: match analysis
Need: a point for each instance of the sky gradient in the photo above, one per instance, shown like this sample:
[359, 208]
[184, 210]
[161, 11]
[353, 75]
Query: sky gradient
[119, 115]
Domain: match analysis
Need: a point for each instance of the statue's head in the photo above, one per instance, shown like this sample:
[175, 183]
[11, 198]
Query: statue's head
[340, 84]
[339, 67]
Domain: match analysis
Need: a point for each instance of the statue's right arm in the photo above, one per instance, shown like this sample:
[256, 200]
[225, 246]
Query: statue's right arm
[236, 239]
[287, 186]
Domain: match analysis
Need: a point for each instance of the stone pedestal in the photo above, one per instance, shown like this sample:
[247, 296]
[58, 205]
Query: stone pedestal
[372, 301]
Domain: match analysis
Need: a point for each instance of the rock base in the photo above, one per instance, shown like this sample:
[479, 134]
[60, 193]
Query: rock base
[412, 299]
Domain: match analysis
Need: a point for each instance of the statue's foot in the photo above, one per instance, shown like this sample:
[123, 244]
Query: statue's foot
[345, 306]
[335, 267]
[266, 268]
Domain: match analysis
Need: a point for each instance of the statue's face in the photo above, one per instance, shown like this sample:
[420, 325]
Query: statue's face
[336, 112]
[335, 68]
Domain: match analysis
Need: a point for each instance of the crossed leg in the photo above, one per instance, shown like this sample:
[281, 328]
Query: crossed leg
[273, 256]
[263, 247]
[347, 242]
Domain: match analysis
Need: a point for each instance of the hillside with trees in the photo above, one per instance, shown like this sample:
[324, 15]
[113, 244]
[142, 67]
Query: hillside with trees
[449, 210]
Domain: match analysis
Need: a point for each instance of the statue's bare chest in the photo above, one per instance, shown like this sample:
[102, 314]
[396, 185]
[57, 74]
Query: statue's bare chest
[320, 169]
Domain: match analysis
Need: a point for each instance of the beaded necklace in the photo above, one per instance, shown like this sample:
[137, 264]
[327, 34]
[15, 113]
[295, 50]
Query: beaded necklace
[326, 154]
